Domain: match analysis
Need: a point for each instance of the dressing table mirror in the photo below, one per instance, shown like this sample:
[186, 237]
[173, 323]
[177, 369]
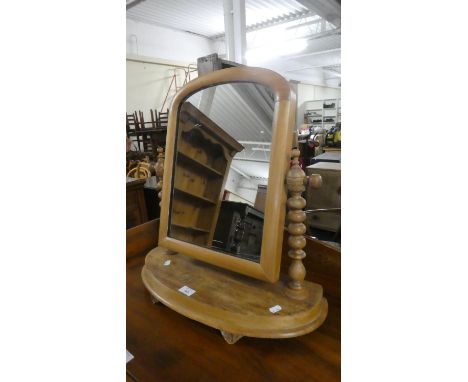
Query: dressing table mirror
[230, 134]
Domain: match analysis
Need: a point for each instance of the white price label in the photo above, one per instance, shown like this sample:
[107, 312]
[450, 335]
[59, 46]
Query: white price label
[167, 262]
[275, 309]
[186, 290]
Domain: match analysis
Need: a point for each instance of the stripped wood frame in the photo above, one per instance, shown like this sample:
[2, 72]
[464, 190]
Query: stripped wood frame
[275, 205]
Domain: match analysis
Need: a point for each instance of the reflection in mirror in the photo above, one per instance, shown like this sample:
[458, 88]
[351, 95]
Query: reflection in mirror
[221, 164]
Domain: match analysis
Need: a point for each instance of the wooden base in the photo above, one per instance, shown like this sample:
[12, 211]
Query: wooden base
[234, 304]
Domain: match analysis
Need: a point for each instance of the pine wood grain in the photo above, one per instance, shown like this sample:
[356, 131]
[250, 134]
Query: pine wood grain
[204, 154]
[170, 347]
[283, 121]
[230, 302]
[323, 262]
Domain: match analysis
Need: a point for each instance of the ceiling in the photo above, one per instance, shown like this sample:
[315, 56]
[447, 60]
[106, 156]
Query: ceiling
[206, 17]
[245, 112]
[313, 23]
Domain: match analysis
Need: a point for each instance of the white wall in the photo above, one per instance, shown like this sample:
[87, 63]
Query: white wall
[237, 184]
[232, 181]
[248, 189]
[161, 50]
[310, 93]
[164, 43]
[148, 84]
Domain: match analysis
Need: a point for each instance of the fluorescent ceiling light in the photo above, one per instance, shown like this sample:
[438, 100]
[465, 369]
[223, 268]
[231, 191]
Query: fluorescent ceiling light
[275, 49]
[260, 149]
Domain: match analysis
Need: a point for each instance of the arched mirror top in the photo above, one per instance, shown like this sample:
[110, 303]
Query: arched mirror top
[227, 156]
[266, 77]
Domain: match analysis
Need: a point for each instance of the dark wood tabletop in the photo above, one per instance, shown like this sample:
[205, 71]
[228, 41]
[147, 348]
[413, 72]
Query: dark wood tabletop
[170, 347]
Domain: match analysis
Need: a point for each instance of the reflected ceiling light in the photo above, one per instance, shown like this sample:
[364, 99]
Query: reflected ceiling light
[274, 49]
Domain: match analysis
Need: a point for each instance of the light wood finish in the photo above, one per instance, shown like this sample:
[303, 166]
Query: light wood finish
[204, 155]
[323, 261]
[235, 304]
[159, 168]
[298, 182]
[283, 122]
[323, 264]
[141, 171]
[296, 229]
[231, 303]
[169, 347]
[162, 340]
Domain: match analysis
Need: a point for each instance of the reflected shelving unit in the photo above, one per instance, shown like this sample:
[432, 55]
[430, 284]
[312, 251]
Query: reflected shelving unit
[204, 154]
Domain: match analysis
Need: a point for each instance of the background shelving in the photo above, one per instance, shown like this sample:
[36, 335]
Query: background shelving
[323, 113]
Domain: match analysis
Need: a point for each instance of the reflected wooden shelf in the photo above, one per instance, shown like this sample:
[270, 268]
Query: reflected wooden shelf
[192, 195]
[146, 322]
[204, 154]
[201, 230]
[199, 165]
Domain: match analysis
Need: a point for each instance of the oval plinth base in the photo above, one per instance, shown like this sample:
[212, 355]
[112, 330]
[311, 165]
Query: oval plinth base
[230, 302]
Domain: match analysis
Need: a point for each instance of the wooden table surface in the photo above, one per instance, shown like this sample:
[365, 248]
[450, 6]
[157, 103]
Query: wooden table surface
[170, 347]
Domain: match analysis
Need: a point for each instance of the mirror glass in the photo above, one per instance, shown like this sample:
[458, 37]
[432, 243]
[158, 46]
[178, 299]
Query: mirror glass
[221, 163]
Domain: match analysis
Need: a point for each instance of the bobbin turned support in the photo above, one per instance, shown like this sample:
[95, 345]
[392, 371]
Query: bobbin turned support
[296, 181]
[159, 169]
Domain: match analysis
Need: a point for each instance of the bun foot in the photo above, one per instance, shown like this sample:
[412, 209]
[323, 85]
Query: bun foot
[231, 338]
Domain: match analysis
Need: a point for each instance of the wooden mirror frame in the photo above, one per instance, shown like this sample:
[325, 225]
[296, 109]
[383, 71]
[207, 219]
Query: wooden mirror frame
[275, 204]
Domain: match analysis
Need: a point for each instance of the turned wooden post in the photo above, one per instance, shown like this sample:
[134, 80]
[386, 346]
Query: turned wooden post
[159, 169]
[296, 180]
